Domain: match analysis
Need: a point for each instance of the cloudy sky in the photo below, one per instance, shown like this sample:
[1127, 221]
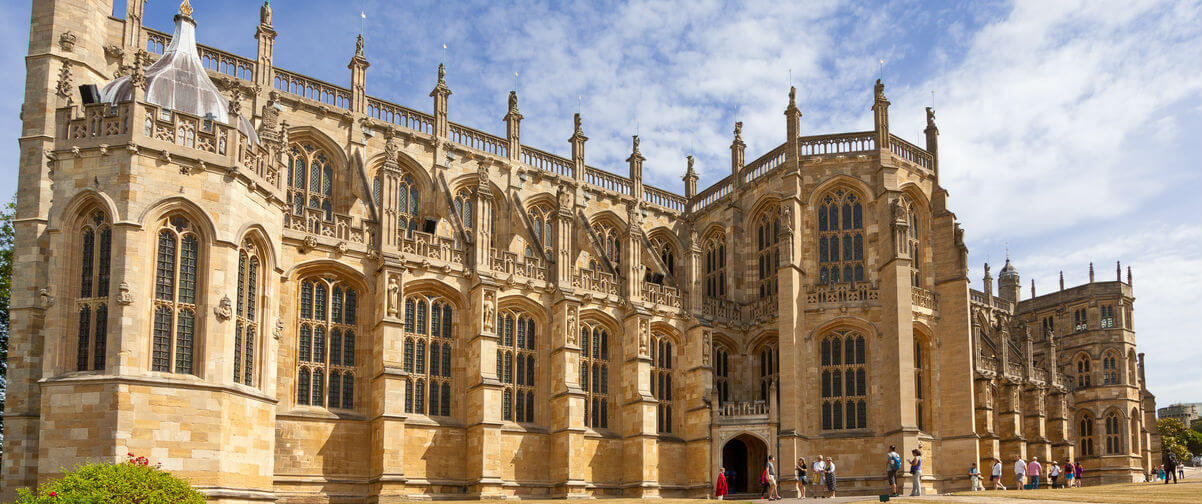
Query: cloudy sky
[1067, 126]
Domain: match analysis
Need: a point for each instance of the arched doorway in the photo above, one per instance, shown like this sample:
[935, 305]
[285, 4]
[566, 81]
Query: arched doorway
[744, 458]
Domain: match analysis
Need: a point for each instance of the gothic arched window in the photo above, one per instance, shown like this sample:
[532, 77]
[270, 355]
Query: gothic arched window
[1110, 369]
[721, 373]
[844, 383]
[840, 238]
[95, 258]
[610, 242]
[594, 374]
[246, 326]
[769, 369]
[541, 219]
[429, 325]
[516, 365]
[176, 298]
[326, 327]
[715, 267]
[661, 381]
[1114, 432]
[922, 366]
[767, 238]
[663, 249]
[464, 204]
[1083, 371]
[1085, 435]
[310, 183]
[913, 244]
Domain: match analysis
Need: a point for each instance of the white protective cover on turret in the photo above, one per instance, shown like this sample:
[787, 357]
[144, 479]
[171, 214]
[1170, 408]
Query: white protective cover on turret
[178, 81]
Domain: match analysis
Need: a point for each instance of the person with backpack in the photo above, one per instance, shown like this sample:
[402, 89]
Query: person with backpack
[916, 472]
[893, 463]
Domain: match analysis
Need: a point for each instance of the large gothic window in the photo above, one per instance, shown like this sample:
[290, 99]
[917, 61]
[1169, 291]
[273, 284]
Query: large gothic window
[429, 325]
[769, 369]
[922, 378]
[840, 238]
[844, 383]
[95, 257]
[594, 374]
[767, 239]
[1085, 435]
[176, 297]
[326, 332]
[715, 267]
[913, 245]
[541, 222]
[246, 326]
[663, 249]
[721, 373]
[464, 206]
[404, 203]
[1114, 432]
[661, 381]
[516, 364]
[1083, 371]
[610, 242]
[310, 183]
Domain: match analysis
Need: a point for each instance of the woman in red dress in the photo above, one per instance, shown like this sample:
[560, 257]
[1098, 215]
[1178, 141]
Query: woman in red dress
[720, 489]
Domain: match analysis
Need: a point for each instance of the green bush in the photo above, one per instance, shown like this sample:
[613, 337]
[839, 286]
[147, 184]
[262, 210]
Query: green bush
[132, 482]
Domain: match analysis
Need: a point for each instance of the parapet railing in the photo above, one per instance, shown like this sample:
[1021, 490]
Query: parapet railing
[402, 116]
[910, 152]
[316, 221]
[431, 247]
[710, 195]
[743, 408]
[509, 262]
[764, 164]
[313, 89]
[717, 308]
[596, 281]
[842, 293]
[923, 298]
[662, 294]
[606, 180]
[478, 140]
[665, 199]
[838, 143]
[548, 162]
[213, 59]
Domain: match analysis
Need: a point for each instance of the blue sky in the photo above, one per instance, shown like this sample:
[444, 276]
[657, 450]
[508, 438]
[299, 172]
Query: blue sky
[1068, 128]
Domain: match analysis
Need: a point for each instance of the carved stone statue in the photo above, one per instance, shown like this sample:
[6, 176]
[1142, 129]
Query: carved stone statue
[513, 102]
[391, 147]
[930, 116]
[394, 296]
[879, 90]
[279, 328]
[786, 218]
[271, 115]
[565, 198]
[265, 14]
[46, 295]
[576, 123]
[739, 130]
[706, 348]
[570, 327]
[225, 309]
[359, 46]
[644, 337]
[490, 311]
[124, 297]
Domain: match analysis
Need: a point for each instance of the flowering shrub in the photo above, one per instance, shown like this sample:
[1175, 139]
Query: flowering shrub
[134, 481]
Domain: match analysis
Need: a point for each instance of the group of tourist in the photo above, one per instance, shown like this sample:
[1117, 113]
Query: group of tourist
[1171, 468]
[1028, 475]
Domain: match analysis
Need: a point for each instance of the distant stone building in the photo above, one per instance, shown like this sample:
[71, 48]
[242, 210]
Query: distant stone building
[1187, 413]
[286, 290]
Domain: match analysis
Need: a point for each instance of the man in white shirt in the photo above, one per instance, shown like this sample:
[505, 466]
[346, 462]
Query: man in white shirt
[996, 474]
[818, 468]
[1020, 471]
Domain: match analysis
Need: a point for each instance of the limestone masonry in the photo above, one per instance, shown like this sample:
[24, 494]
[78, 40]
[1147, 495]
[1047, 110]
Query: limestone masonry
[285, 290]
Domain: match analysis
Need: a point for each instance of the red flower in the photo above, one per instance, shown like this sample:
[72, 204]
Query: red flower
[53, 494]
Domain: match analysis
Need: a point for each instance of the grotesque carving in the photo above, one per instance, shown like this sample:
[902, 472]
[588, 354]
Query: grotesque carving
[225, 309]
[124, 297]
[46, 295]
[279, 328]
[310, 243]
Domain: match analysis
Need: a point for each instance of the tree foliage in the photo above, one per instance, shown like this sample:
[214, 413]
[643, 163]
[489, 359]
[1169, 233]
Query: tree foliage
[1174, 437]
[6, 281]
[134, 481]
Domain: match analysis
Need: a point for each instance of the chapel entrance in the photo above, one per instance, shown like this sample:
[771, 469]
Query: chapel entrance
[744, 458]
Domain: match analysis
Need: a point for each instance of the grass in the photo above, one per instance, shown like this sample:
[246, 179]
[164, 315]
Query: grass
[1187, 491]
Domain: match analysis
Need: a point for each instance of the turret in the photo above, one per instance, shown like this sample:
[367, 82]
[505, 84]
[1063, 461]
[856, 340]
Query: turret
[1008, 284]
[988, 283]
[690, 180]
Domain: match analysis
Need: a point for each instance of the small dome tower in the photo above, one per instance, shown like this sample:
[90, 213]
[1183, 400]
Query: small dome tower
[1008, 284]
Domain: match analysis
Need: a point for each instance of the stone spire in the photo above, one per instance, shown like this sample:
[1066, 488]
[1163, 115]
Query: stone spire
[1129, 277]
[1061, 279]
[880, 115]
[792, 115]
[636, 161]
[577, 141]
[513, 127]
[440, 93]
[932, 133]
[1032, 288]
[1118, 271]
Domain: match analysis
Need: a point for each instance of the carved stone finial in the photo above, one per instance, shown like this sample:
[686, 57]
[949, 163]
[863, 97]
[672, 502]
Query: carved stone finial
[235, 101]
[739, 131]
[359, 46]
[513, 102]
[930, 117]
[792, 96]
[690, 172]
[265, 14]
[185, 8]
[879, 90]
[442, 74]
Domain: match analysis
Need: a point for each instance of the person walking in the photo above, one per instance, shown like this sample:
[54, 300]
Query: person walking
[1078, 473]
[995, 474]
[1068, 474]
[802, 479]
[829, 468]
[974, 474]
[720, 488]
[893, 463]
[1170, 466]
[1054, 472]
[1020, 471]
[1034, 472]
[819, 470]
[773, 477]
[915, 472]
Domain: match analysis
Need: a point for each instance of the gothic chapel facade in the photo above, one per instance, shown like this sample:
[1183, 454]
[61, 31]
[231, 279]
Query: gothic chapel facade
[285, 290]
